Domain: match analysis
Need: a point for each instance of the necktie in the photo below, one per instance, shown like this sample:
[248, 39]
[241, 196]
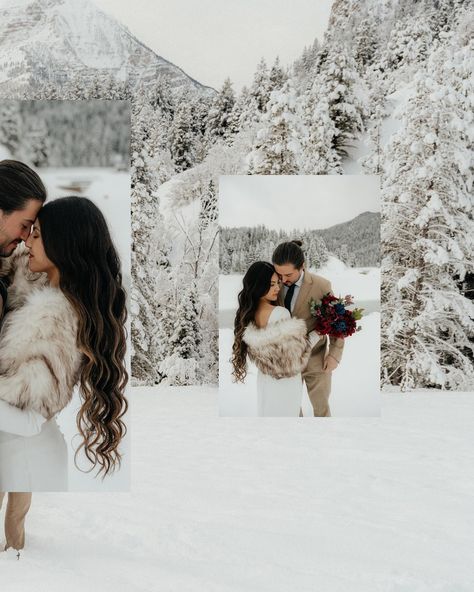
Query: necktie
[289, 296]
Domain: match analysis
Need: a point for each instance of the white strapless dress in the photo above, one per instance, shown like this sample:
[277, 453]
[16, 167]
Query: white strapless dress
[37, 462]
[279, 397]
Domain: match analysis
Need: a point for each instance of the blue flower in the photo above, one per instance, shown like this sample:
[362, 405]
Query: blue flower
[341, 326]
[340, 308]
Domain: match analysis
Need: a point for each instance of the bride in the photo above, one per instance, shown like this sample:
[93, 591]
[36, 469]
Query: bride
[275, 342]
[65, 326]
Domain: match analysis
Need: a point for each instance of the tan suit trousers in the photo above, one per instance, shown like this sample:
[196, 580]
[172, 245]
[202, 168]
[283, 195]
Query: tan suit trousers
[17, 507]
[318, 382]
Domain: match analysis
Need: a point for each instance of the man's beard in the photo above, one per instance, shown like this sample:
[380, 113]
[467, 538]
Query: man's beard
[7, 245]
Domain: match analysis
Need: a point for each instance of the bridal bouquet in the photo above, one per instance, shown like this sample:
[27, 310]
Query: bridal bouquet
[333, 318]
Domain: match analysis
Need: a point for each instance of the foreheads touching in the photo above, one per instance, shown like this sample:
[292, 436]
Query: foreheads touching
[22, 194]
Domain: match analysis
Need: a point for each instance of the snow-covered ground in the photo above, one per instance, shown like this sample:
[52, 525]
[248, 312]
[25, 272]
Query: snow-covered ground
[254, 505]
[355, 388]
[110, 191]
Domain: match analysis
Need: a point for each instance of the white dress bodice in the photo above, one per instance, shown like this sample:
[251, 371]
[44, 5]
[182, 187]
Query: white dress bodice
[278, 397]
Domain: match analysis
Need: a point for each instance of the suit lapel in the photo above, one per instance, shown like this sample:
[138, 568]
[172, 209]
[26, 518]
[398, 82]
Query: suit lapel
[301, 308]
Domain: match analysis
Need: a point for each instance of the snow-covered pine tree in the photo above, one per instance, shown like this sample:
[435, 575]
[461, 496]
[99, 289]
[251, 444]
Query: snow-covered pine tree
[244, 113]
[252, 101]
[277, 147]
[441, 15]
[372, 162]
[35, 145]
[160, 95]
[260, 87]
[452, 63]
[219, 117]
[225, 260]
[208, 210]
[427, 242]
[182, 138]
[304, 67]
[318, 155]
[235, 119]
[145, 218]
[316, 252]
[407, 47]
[10, 126]
[278, 76]
[180, 367]
[365, 43]
[339, 83]
[200, 106]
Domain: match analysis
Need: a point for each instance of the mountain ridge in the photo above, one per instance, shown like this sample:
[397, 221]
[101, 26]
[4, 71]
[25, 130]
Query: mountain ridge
[51, 40]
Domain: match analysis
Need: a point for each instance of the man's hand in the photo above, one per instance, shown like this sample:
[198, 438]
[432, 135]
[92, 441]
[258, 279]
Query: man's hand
[330, 364]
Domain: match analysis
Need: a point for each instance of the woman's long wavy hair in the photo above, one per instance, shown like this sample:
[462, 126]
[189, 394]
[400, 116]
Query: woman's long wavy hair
[257, 282]
[77, 240]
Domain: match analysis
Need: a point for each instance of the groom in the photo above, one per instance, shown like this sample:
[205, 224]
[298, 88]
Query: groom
[22, 194]
[298, 287]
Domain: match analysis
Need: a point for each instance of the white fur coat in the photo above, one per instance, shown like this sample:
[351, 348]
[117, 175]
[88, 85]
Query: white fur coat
[280, 349]
[39, 358]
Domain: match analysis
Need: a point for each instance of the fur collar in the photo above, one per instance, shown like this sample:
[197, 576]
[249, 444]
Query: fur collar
[274, 332]
[22, 280]
[39, 357]
[281, 349]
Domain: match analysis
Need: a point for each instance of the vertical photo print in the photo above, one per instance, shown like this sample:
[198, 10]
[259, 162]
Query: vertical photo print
[64, 288]
[299, 296]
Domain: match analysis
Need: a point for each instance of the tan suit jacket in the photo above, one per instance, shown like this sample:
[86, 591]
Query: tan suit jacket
[314, 286]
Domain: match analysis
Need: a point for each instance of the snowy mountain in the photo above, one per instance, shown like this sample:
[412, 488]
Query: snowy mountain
[357, 241]
[52, 40]
[357, 224]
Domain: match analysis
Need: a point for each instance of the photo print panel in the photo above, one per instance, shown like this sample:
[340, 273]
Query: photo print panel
[299, 296]
[65, 293]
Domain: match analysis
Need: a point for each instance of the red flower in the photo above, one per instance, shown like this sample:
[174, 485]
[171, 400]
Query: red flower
[333, 319]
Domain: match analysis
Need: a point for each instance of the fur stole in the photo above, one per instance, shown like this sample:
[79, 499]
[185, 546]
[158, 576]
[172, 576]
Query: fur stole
[22, 280]
[280, 349]
[39, 359]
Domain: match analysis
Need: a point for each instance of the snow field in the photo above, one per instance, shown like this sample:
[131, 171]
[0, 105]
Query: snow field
[226, 505]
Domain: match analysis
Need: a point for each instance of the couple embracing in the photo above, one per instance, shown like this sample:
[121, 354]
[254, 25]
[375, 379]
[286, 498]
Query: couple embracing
[274, 328]
[63, 325]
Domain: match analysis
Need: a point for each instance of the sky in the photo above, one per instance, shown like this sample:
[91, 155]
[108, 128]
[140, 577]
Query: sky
[296, 201]
[213, 39]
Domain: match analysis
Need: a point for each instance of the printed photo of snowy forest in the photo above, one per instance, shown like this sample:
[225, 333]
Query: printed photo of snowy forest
[337, 218]
[387, 91]
[79, 148]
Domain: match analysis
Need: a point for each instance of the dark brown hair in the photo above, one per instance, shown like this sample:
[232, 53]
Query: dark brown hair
[77, 240]
[257, 282]
[18, 184]
[290, 252]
